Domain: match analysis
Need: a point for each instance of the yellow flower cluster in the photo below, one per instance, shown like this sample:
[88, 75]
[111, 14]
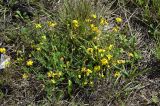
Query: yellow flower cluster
[29, 63]
[119, 20]
[91, 83]
[94, 28]
[25, 76]
[53, 81]
[86, 71]
[2, 50]
[101, 75]
[79, 76]
[38, 49]
[94, 16]
[75, 24]
[51, 24]
[105, 55]
[115, 29]
[103, 21]
[89, 50]
[97, 68]
[101, 50]
[130, 55]
[44, 37]
[110, 47]
[104, 61]
[38, 26]
[88, 20]
[109, 56]
[121, 61]
[53, 74]
[117, 74]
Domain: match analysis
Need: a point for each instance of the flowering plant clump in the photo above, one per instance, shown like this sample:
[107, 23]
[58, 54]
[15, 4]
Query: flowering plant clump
[69, 59]
[76, 51]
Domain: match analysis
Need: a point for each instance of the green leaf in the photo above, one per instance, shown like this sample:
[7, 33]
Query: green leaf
[137, 55]
[24, 30]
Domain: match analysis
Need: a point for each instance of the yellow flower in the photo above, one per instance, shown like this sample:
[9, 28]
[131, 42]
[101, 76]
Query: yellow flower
[94, 16]
[79, 76]
[83, 69]
[2, 50]
[29, 63]
[51, 24]
[115, 29]
[101, 75]
[53, 81]
[110, 47]
[92, 25]
[117, 74]
[103, 21]
[44, 37]
[130, 55]
[88, 72]
[38, 26]
[91, 83]
[104, 61]
[119, 20]
[75, 23]
[109, 56]
[49, 74]
[54, 74]
[25, 76]
[88, 20]
[101, 50]
[97, 68]
[108, 66]
[59, 74]
[95, 29]
[38, 48]
[90, 50]
[120, 61]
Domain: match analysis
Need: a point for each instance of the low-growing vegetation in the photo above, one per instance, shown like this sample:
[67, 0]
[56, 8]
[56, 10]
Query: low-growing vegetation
[78, 52]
